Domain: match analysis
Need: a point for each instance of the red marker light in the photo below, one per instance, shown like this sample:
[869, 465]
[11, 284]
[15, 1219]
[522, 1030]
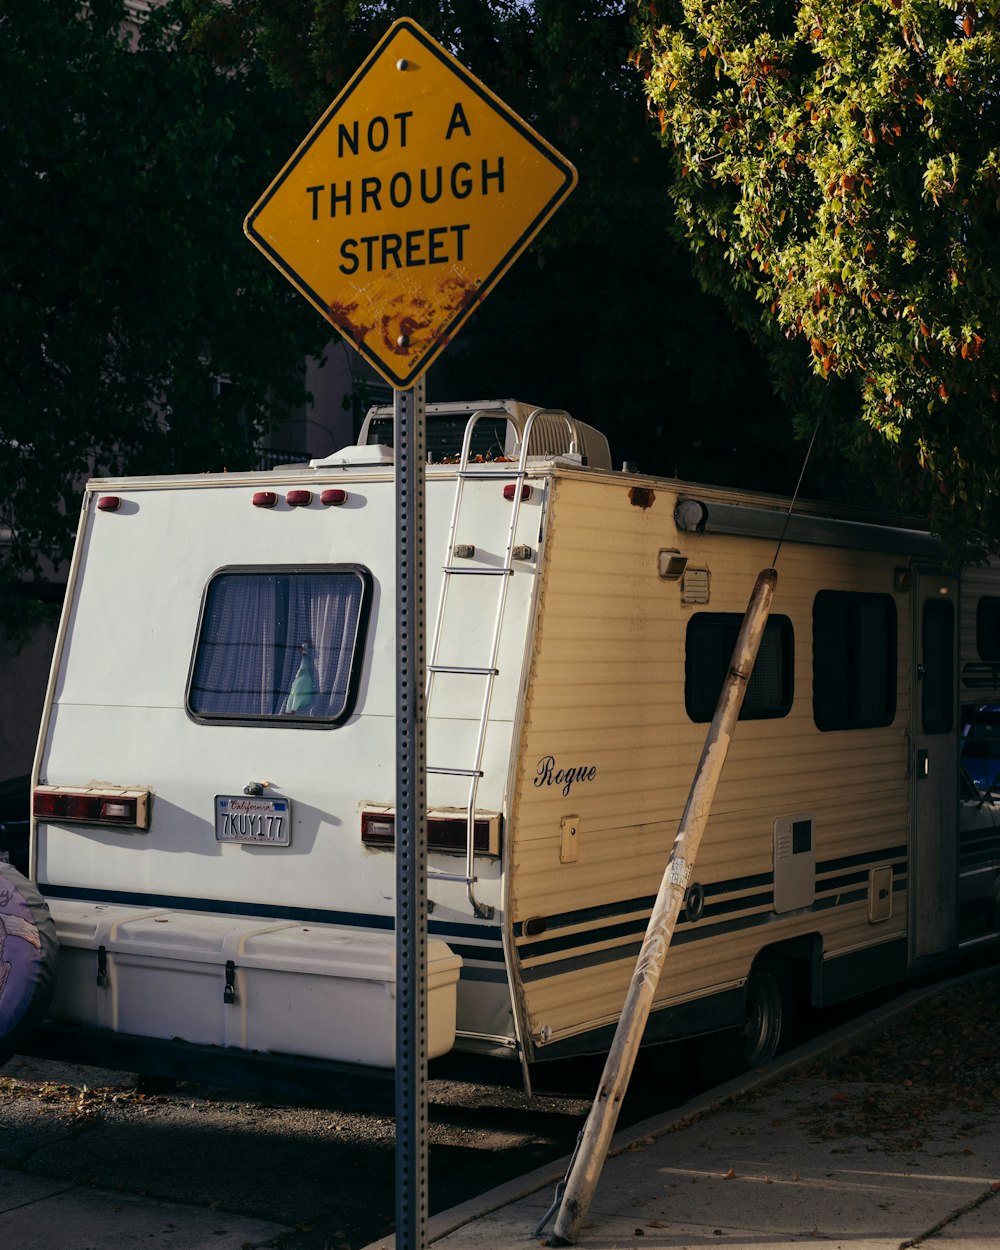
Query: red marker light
[264, 499]
[443, 834]
[510, 490]
[109, 503]
[333, 497]
[299, 498]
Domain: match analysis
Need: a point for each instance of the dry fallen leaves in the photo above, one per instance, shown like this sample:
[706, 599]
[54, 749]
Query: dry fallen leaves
[941, 1055]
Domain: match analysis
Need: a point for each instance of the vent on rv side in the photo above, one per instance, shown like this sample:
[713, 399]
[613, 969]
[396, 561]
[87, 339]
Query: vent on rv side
[695, 586]
[671, 564]
[794, 862]
[497, 434]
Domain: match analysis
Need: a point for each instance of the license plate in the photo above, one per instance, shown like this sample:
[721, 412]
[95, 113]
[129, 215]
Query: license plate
[242, 819]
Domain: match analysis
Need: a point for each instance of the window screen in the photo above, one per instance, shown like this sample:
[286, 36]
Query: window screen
[711, 637]
[854, 660]
[281, 645]
[988, 628]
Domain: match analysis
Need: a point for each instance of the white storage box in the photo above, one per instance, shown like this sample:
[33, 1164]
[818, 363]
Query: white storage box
[302, 990]
[83, 978]
[321, 991]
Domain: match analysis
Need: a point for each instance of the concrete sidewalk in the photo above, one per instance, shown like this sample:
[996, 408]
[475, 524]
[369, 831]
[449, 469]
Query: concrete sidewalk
[750, 1175]
[38, 1214]
[787, 1157]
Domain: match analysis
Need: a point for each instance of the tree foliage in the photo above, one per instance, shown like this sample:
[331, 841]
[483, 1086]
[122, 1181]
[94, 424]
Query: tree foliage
[127, 290]
[602, 316]
[836, 173]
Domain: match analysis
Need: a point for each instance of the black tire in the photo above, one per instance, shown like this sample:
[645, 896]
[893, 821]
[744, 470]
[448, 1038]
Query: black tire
[765, 1031]
[29, 952]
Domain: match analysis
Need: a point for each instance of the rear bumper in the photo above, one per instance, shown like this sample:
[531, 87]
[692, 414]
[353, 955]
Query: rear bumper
[241, 984]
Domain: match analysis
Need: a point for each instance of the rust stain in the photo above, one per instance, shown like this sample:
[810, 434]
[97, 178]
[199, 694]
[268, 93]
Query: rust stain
[343, 317]
[472, 294]
[409, 315]
[395, 327]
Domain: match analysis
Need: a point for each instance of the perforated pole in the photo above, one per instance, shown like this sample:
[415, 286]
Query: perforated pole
[592, 1149]
[411, 824]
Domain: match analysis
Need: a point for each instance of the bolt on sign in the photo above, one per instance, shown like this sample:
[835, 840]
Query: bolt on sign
[407, 202]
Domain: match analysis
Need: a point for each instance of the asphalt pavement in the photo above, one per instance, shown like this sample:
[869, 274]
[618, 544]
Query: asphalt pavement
[840, 1143]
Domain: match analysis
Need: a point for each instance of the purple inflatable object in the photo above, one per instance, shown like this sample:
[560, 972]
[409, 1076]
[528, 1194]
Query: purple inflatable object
[29, 951]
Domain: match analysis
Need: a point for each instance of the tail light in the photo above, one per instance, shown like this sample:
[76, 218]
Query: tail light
[444, 833]
[107, 805]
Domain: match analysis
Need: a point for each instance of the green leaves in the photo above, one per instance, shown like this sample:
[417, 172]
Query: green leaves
[853, 197]
[127, 289]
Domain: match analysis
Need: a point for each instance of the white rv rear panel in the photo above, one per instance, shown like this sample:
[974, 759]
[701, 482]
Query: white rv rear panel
[317, 904]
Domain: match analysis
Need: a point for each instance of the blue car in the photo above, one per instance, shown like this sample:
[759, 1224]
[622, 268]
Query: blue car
[981, 746]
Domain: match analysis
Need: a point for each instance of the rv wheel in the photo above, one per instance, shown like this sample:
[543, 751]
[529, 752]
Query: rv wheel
[767, 1022]
[28, 953]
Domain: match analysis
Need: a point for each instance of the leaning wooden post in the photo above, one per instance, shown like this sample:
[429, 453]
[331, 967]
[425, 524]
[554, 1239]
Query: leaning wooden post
[592, 1148]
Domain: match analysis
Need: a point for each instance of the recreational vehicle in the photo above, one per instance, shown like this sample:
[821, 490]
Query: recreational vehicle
[213, 793]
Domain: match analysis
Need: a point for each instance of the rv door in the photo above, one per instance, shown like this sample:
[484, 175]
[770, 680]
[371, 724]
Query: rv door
[934, 767]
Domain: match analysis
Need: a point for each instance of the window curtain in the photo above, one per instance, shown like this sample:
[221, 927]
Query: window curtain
[276, 645]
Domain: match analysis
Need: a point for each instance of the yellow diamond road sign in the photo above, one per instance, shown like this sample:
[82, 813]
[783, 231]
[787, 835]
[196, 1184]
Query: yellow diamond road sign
[407, 202]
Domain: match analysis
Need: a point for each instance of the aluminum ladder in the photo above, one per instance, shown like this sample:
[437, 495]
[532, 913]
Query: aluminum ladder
[489, 672]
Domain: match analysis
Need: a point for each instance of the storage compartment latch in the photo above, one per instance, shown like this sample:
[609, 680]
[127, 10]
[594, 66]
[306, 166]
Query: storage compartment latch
[229, 993]
[102, 967]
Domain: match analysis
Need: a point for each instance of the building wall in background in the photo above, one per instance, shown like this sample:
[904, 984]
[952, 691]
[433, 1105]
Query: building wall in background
[23, 678]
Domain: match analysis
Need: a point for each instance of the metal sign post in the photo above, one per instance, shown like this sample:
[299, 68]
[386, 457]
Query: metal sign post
[411, 824]
[395, 217]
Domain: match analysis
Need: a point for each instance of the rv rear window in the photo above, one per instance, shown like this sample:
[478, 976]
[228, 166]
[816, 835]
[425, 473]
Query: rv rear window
[280, 645]
[711, 637]
[854, 660]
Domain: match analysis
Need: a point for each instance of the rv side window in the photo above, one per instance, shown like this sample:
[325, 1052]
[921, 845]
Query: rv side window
[854, 660]
[711, 637]
[280, 645]
[988, 628]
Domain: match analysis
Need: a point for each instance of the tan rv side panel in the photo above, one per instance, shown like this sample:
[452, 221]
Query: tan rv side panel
[608, 753]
